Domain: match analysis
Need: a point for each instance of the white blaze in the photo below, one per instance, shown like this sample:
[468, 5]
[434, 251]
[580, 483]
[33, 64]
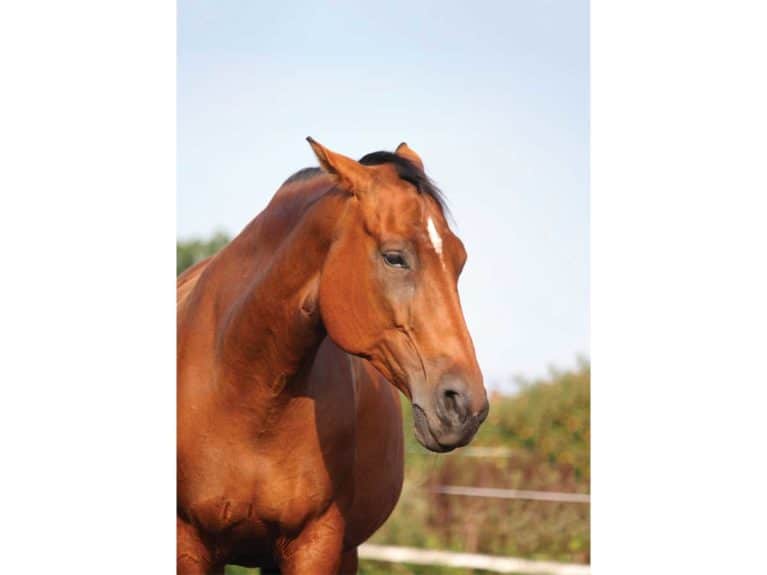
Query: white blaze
[434, 237]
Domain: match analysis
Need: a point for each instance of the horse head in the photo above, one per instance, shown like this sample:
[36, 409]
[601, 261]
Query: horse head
[388, 291]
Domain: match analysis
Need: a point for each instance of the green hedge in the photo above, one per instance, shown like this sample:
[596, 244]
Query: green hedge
[189, 252]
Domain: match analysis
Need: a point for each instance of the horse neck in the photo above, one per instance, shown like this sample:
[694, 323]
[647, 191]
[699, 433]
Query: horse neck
[272, 328]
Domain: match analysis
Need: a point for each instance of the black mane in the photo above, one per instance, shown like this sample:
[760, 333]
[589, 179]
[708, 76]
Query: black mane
[406, 170]
[409, 172]
[303, 174]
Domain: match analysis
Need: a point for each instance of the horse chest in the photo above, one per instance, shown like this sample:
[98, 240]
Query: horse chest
[263, 489]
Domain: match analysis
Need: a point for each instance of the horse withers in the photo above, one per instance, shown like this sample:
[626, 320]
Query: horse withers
[292, 343]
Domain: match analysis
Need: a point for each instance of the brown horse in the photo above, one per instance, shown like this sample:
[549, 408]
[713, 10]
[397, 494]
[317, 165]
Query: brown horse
[291, 342]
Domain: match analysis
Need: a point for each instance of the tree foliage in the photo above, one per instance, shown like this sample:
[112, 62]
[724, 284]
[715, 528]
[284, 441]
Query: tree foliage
[189, 252]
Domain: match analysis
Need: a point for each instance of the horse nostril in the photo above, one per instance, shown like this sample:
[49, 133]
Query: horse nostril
[451, 399]
[455, 404]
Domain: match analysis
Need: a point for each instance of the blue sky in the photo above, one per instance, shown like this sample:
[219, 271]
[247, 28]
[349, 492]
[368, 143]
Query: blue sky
[493, 95]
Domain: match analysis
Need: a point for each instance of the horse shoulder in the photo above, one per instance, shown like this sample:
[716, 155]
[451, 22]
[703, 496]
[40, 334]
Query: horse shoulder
[379, 464]
[360, 434]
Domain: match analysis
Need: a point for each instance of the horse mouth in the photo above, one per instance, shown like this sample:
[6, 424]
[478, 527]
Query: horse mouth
[425, 435]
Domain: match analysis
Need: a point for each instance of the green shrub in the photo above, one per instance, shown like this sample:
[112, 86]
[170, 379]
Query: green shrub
[189, 252]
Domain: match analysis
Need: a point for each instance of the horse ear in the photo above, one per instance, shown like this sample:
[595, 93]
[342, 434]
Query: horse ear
[351, 174]
[404, 151]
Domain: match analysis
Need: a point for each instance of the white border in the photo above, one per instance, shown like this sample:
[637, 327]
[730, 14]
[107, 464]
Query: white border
[87, 297]
[678, 286]
[87, 133]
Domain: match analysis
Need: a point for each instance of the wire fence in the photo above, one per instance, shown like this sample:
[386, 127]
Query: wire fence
[495, 493]
[491, 563]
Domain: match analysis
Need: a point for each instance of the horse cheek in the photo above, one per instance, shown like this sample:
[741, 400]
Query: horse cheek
[342, 311]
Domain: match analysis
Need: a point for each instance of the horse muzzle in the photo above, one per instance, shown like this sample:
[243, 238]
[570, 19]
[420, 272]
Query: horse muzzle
[452, 418]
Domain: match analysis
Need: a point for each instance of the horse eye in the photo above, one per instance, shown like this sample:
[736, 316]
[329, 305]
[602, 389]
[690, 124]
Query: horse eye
[395, 260]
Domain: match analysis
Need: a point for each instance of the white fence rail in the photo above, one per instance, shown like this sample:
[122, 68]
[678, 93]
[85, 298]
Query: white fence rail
[496, 493]
[469, 561]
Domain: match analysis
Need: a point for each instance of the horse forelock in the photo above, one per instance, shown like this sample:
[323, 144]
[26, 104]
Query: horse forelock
[408, 172]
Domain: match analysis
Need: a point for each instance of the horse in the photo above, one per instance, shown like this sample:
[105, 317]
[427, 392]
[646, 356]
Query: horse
[294, 343]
